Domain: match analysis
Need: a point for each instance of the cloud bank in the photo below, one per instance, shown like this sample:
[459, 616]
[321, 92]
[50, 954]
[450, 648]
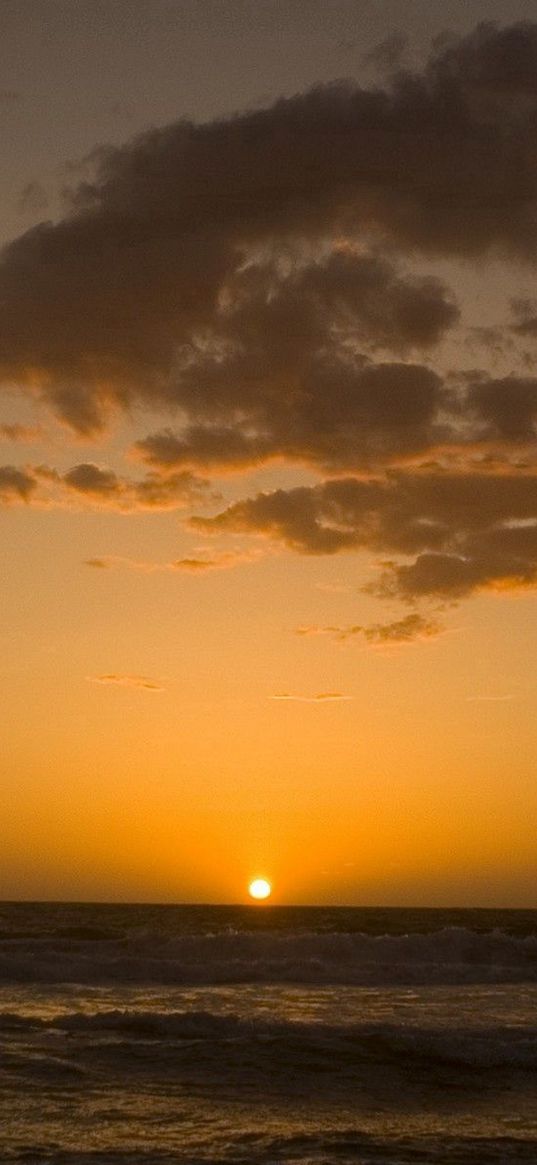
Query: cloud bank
[256, 282]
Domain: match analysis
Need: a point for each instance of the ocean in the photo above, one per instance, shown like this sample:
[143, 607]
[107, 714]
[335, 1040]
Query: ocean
[144, 1035]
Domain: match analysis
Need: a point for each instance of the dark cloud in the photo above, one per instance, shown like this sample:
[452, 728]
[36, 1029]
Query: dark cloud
[283, 367]
[491, 63]
[215, 448]
[254, 283]
[508, 405]
[10, 97]
[96, 486]
[388, 56]
[16, 484]
[501, 557]
[342, 413]
[466, 530]
[405, 630]
[154, 491]
[292, 516]
[33, 199]
[193, 237]
[90, 479]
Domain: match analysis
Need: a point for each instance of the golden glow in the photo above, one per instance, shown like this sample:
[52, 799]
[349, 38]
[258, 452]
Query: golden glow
[410, 793]
[259, 888]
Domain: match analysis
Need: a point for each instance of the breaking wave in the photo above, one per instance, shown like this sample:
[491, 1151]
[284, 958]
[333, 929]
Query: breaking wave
[348, 1147]
[481, 1047]
[453, 955]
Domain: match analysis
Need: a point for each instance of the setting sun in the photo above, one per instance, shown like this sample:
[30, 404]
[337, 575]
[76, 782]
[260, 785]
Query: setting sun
[259, 888]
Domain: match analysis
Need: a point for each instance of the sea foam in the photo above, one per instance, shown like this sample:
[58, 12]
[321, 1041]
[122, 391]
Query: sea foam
[453, 955]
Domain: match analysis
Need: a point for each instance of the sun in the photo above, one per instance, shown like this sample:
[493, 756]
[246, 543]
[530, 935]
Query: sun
[259, 888]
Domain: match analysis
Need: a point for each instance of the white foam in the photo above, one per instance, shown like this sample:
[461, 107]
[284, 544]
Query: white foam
[452, 955]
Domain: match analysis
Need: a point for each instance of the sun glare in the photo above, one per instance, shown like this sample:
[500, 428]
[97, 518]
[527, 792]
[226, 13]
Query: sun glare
[259, 888]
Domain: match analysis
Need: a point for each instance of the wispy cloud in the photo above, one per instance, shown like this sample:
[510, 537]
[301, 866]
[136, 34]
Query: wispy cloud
[224, 560]
[118, 562]
[405, 630]
[127, 680]
[319, 698]
[399, 631]
[332, 631]
[20, 434]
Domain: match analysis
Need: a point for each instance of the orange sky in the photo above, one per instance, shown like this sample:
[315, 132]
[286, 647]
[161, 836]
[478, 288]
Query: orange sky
[267, 470]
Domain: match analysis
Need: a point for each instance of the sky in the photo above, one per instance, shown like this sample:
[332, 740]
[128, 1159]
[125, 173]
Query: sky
[268, 481]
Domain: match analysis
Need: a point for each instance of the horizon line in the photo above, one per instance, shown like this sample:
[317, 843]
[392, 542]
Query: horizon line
[257, 905]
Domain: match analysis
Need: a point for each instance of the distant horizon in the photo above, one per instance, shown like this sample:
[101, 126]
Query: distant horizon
[255, 906]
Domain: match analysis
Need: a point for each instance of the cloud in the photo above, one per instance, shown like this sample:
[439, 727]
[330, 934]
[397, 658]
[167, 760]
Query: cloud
[405, 630]
[9, 97]
[92, 485]
[335, 632]
[178, 266]
[466, 530]
[508, 406]
[33, 199]
[215, 448]
[221, 560]
[280, 364]
[90, 479]
[16, 485]
[196, 565]
[254, 285]
[127, 681]
[20, 434]
[225, 560]
[499, 558]
[321, 697]
[292, 516]
[388, 56]
[321, 406]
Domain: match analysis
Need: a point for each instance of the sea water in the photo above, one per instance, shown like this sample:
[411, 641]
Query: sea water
[139, 1035]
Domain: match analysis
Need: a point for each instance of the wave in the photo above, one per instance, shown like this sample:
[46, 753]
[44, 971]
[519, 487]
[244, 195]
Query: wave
[480, 1047]
[348, 1147]
[454, 955]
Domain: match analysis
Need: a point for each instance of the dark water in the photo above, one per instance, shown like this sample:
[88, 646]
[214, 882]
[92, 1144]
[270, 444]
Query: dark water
[140, 1034]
